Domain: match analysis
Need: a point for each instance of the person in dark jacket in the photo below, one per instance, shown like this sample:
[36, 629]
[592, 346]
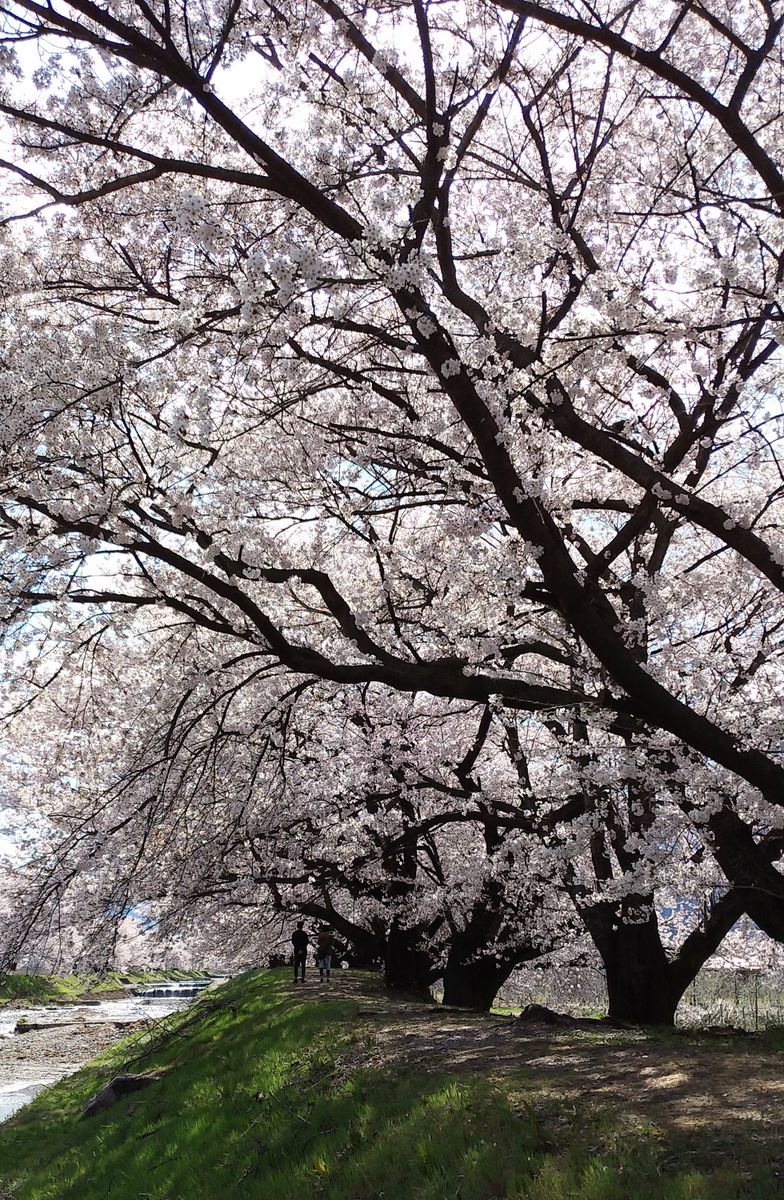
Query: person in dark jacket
[299, 940]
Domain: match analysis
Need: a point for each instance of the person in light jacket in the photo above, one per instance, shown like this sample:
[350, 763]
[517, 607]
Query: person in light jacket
[324, 947]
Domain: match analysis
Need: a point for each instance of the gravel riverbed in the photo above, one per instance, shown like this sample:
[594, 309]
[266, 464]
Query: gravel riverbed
[56, 1051]
[31, 1061]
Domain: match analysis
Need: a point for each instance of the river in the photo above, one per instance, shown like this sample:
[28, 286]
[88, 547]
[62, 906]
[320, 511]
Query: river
[32, 1061]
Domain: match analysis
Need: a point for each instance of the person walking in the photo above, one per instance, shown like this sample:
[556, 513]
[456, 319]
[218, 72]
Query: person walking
[324, 946]
[300, 942]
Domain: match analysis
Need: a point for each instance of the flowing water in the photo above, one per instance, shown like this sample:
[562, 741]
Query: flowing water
[139, 1005]
[14, 1096]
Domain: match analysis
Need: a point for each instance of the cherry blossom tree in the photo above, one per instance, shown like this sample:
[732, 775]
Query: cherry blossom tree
[347, 808]
[426, 348]
[445, 843]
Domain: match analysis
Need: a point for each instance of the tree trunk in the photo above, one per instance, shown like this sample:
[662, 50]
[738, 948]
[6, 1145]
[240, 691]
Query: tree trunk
[473, 984]
[640, 986]
[644, 985]
[363, 956]
[472, 976]
[640, 989]
[407, 968]
[749, 866]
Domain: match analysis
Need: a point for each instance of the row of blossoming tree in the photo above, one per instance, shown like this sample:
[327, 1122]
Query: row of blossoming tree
[391, 493]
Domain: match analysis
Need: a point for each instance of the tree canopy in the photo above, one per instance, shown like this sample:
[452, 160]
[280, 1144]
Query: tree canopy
[391, 483]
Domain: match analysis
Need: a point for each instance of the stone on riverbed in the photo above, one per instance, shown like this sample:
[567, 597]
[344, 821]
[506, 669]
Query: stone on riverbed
[121, 1085]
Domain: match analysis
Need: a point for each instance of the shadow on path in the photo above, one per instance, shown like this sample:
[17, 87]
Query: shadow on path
[729, 1090]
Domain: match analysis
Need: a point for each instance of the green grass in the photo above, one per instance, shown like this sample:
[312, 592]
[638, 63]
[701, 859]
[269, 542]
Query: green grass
[40, 988]
[324, 1129]
[64, 989]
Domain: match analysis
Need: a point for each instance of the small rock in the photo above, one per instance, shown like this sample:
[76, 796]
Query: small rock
[121, 1085]
[539, 1014]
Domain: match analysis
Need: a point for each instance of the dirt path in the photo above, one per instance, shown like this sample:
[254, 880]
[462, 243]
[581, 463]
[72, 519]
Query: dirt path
[680, 1085]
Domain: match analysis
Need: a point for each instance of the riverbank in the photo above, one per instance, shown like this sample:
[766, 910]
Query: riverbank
[63, 1046]
[31, 1061]
[39, 1045]
[261, 1091]
[17, 989]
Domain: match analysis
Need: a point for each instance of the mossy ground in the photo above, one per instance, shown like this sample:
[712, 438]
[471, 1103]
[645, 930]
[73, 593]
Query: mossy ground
[268, 1093]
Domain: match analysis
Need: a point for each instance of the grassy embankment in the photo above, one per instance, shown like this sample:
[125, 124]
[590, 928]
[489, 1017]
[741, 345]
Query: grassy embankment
[262, 1095]
[67, 989]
